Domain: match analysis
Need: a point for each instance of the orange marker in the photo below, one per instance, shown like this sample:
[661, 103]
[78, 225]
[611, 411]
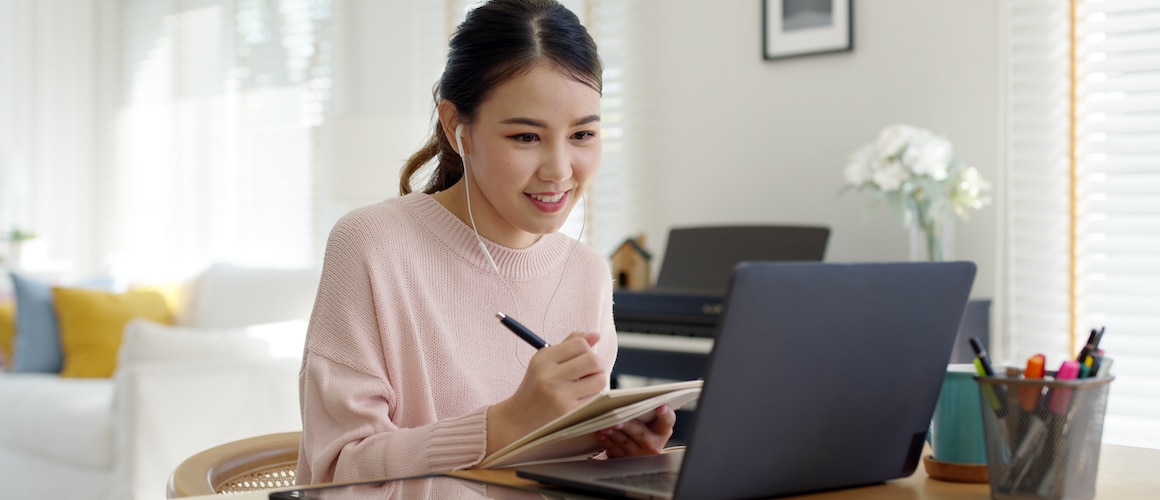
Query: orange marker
[1029, 396]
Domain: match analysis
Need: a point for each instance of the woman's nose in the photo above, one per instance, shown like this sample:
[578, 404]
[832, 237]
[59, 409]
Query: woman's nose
[556, 164]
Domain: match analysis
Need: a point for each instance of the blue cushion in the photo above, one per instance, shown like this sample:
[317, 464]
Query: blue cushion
[37, 345]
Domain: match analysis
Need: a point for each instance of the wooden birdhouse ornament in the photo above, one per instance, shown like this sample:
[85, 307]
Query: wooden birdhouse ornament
[630, 265]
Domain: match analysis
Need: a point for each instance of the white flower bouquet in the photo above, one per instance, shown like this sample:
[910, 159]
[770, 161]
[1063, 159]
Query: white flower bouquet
[916, 173]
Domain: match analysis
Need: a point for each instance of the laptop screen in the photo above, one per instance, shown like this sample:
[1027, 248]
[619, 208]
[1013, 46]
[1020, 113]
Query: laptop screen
[822, 376]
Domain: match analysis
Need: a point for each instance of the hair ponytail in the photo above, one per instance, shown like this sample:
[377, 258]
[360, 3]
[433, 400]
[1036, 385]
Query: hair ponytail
[448, 170]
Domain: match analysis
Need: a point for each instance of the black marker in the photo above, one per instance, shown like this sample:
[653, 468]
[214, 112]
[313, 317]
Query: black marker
[1090, 346]
[984, 360]
[522, 331]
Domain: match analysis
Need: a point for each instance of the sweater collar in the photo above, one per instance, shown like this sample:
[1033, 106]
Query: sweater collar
[514, 263]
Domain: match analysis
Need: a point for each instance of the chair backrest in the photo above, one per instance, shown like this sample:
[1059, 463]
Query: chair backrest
[256, 463]
[702, 258]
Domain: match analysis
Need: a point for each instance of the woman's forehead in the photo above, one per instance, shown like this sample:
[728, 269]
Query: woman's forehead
[542, 93]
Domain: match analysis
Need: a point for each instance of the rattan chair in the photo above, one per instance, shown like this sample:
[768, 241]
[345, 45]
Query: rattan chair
[250, 464]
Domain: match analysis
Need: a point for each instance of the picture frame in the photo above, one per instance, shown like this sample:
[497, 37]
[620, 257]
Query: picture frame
[796, 28]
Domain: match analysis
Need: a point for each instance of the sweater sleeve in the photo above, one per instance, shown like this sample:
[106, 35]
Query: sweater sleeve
[347, 435]
[347, 399]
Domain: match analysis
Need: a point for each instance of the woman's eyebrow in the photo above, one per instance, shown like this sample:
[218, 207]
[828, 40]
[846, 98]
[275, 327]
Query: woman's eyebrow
[586, 120]
[524, 121]
[531, 122]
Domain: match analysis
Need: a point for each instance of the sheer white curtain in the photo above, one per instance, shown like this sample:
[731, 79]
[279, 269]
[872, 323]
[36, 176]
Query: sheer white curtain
[231, 147]
[214, 155]
[48, 148]
[1083, 193]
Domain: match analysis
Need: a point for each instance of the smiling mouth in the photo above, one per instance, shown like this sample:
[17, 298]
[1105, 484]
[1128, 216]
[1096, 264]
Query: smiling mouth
[552, 198]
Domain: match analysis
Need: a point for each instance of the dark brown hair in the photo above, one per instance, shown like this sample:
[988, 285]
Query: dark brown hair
[498, 41]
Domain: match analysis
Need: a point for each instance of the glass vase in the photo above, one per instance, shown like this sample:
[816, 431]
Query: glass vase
[927, 244]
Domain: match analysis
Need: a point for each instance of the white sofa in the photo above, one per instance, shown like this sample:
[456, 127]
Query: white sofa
[177, 390]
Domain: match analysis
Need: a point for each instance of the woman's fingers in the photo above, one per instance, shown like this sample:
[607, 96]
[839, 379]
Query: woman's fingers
[572, 360]
[634, 438]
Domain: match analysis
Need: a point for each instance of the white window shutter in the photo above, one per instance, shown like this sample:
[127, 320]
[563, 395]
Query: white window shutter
[1118, 203]
[1085, 243]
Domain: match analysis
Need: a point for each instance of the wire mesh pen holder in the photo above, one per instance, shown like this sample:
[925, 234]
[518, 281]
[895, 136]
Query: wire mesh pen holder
[1043, 436]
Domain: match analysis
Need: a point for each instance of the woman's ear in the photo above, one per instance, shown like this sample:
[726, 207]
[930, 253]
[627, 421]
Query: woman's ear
[449, 121]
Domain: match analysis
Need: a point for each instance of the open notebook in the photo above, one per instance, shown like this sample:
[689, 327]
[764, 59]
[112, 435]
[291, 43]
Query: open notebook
[572, 434]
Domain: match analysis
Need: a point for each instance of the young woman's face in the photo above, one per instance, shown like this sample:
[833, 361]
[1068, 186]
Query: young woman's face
[533, 149]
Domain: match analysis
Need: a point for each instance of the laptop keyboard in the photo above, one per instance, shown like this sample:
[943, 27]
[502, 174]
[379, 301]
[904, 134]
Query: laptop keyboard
[657, 481]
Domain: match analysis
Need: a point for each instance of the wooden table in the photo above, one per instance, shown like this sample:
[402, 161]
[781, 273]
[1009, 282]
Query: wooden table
[1125, 472]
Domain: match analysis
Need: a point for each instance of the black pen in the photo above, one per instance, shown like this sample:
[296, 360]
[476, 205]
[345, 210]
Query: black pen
[984, 360]
[521, 330]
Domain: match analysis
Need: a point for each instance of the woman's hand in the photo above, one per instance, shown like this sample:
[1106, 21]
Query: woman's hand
[634, 438]
[559, 378]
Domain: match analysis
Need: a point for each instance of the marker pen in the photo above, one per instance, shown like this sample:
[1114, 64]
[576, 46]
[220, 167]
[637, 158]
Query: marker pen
[1060, 397]
[1060, 405]
[1029, 396]
[995, 393]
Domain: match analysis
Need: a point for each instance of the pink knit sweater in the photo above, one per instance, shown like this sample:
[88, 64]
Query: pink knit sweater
[404, 353]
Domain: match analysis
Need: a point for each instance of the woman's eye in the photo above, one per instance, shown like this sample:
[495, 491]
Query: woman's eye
[525, 138]
[583, 135]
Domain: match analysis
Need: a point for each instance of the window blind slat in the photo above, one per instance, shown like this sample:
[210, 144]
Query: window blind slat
[1123, 265]
[1101, 182]
[1144, 64]
[1143, 19]
[1114, 7]
[1101, 44]
[1120, 103]
[1115, 123]
[1116, 163]
[1140, 80]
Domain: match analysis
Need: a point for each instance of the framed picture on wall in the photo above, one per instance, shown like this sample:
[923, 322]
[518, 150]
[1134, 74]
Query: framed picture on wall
[794, 28]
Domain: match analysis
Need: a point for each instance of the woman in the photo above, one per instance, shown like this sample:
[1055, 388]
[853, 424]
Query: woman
[406, 370]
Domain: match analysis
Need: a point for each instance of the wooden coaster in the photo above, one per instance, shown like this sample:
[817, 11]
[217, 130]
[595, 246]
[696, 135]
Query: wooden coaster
[958, 473]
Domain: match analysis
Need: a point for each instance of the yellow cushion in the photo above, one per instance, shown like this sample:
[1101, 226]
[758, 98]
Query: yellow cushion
[91, 322]
[7, 332]
[174, 292]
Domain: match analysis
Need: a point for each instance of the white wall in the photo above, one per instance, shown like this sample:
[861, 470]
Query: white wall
[727, 137]
[386, 65]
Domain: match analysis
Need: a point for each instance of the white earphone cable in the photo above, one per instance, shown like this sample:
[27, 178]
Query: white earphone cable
[490, 260]
[471, 217]
[583, 222]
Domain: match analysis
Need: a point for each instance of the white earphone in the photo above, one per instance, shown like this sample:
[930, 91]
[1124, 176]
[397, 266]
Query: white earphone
[482, 246]
[467, 187]
[459, 141]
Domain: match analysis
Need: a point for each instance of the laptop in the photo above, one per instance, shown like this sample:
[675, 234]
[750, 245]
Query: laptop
[822, 376]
